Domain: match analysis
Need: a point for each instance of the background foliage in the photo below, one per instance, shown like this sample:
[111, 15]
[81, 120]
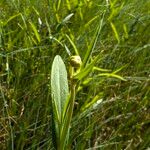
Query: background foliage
[110, 113]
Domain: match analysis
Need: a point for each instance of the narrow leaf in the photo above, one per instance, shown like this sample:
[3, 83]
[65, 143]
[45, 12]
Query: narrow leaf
[91, 21]
[84, 72]
[35, 31]
[101, 69]
[115, 32]
[112, 75]
[93, 43]
[11, 18]
[73, 45]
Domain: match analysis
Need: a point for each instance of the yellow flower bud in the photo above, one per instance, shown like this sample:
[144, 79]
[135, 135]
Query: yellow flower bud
[75, 61]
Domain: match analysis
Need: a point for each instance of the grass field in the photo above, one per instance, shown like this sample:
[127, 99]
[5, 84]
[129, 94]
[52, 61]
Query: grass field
[111, 110]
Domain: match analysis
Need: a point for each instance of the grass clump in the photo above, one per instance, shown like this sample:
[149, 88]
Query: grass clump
[112, 95]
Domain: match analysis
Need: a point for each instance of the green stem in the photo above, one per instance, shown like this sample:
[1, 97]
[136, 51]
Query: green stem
[71, 107]
[72, 96]
[72, 100]
[67, 120]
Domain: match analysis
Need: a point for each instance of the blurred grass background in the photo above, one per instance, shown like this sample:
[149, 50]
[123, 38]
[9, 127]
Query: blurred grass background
[110, 114]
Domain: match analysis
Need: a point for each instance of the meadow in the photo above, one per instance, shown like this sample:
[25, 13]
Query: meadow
[111, 109]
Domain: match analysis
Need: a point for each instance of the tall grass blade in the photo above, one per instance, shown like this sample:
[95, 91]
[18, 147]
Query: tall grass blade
[90, 22]
[68, 4]
[58, 4]
[115, 32]
[35, 31]
[112, 75]
[11, 18]
[73, 45]
[93, 43]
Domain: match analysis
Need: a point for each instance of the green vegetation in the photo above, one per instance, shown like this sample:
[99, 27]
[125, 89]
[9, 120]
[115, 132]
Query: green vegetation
[111, 108]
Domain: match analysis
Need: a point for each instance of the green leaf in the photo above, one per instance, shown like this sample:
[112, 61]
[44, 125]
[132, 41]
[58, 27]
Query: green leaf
[91, 21]
[101, 69]
[85, 71]
[11, 18]
[115, 32]
[35, 31]
[73, 44]
[60, 94]
[93, 102]
[59, 87]
[112, 75]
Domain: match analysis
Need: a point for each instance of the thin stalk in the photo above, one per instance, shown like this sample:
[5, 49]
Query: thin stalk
[72, 95]
[72, 100]
[66, 127]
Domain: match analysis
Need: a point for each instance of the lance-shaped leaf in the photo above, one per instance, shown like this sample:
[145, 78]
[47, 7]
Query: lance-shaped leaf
[59, 87]
[60, 93]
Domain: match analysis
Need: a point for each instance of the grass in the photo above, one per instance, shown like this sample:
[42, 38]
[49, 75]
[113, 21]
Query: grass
[109, 113]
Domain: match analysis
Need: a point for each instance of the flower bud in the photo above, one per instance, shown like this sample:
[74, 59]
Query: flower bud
[75, 61]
